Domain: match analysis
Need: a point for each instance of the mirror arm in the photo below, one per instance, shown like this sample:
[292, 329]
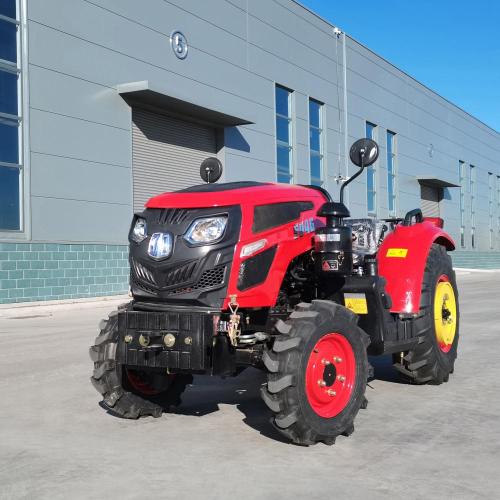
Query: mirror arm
[357, 174]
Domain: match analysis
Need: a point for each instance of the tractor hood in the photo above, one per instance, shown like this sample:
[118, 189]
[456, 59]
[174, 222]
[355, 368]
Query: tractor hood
[267, 225]
[231, 193]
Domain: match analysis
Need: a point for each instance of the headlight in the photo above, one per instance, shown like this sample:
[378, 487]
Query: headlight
[207, 230]
[140, 231]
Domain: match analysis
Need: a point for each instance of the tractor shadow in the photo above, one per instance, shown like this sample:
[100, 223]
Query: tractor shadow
[243, 392]
[384, 370]
[207, 393]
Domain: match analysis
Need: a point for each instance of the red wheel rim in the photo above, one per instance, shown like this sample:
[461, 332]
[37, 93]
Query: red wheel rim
[330, 375]
[143, 386]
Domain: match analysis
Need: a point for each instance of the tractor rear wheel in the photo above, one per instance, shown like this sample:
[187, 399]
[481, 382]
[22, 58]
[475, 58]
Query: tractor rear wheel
[317, 373]
[131, 393]
[433, 358]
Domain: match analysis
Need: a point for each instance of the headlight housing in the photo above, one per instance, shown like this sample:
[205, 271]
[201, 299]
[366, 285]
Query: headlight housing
[206, 230]
[139, 231]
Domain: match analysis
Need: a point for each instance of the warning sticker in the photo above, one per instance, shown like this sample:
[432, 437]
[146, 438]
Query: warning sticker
[356, 302]
[397, 252]
[330, 265]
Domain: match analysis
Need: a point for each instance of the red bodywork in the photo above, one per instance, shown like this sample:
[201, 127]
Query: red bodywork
[403, 275]
[289, 245]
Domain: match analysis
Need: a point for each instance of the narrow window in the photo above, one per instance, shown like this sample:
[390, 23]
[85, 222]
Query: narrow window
[491, 208]
[284, 134]
[391, 172]
[371, 185]
[316, 142]
[472, 193]
[462, 181]
[10, 119]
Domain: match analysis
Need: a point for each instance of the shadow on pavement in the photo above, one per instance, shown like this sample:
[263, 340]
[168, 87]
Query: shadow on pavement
[384, 369]
[207, 393]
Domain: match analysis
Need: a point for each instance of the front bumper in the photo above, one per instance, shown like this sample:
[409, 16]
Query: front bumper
[145, 339]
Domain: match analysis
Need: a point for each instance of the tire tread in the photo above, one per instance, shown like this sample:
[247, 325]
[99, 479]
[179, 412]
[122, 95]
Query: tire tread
[281, 361]
[424, 363]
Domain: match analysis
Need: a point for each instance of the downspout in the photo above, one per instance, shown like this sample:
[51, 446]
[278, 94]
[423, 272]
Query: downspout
[346, 132]
[343, 128]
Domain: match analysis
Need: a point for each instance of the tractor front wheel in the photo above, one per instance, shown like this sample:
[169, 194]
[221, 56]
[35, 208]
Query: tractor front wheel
[317, 373]
[129, 393]
[433, 358]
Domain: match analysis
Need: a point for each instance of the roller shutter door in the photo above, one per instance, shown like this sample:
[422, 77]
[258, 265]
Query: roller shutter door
[166, 154]
[430, 198]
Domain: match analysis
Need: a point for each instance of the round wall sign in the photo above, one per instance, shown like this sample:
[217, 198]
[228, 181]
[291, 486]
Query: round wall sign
[179, 44]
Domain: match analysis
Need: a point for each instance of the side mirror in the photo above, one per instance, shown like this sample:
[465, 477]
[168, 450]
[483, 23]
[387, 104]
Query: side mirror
[364, 152]
[211, 169]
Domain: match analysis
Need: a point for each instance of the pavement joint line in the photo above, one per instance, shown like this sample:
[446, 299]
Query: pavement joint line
[41, 307]
[472, 270]
[42, 303]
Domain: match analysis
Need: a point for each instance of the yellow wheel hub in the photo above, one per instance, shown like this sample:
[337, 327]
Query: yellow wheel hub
[445, 314]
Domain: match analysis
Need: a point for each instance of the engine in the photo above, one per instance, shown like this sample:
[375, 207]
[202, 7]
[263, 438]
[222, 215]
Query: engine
[367, 236]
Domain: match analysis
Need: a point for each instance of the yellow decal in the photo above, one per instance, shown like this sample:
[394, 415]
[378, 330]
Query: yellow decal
[356, 302]
[397, 252]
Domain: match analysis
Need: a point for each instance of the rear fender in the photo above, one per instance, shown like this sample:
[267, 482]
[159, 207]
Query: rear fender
[401, 261]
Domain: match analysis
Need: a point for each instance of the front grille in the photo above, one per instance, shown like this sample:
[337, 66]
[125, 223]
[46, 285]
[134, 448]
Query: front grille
[143, 278]
[210, 278]
[169, 215]
[143, 272]
[180, 274]
[146, 279]
[144, 287]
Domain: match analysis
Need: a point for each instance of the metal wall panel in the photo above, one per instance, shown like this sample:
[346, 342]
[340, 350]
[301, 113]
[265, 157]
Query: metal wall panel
[69, 137]
[76, 221]
[166, 153]
[62, 178]
[237, 52]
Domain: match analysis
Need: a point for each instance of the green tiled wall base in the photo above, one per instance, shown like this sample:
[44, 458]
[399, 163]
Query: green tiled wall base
[476, 260]
[52, 271]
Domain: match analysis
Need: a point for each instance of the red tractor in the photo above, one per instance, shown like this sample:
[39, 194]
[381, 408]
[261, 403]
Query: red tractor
[278, 277]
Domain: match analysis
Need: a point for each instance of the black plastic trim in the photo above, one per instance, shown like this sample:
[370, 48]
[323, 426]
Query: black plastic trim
[416, 214]
[165, 307]
[276, 214]
[223, 186]
[255, 270]
[192, 332]
[180, 279]
[321, 190]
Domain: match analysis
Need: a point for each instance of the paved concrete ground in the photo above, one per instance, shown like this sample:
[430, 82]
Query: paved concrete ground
[411, 442]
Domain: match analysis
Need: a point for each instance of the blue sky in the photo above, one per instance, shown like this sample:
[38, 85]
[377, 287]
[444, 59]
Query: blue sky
[453, 47]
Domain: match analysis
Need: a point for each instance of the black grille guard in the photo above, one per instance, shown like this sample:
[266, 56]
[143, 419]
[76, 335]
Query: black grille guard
[193, 274]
